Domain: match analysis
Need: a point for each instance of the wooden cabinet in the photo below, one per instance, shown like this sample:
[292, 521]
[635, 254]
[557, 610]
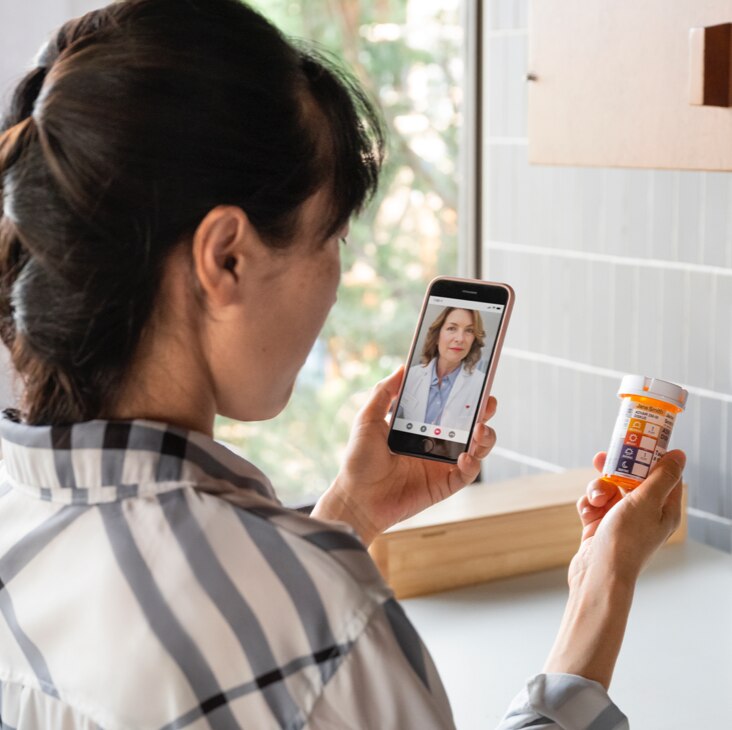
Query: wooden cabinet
[632, 83]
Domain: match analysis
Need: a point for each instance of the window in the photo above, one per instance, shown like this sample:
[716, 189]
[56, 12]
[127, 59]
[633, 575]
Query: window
[408, 54]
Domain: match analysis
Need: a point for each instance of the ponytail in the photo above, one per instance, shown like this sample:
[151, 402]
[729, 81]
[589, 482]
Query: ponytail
[43, 382]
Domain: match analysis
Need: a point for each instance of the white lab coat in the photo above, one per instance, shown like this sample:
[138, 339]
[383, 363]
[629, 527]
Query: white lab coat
[462, 402]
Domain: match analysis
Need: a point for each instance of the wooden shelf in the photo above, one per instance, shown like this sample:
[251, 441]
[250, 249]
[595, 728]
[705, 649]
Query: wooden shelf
[486, 532]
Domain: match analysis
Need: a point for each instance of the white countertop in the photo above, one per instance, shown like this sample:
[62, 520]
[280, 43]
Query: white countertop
[675, 668]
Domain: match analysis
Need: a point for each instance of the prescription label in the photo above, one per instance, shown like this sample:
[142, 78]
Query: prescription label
[639, 440]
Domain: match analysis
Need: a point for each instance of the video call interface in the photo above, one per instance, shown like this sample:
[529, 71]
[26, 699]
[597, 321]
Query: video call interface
[445, 376]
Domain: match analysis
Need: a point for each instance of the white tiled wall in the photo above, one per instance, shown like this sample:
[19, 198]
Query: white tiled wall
[616, 271]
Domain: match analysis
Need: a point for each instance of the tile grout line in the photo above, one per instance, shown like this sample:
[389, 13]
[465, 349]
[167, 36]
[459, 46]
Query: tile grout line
[609, 258]
[635, 340]
[527, 460]
[597, 370]
[696, 449]
[694, 512]
[686, 323]
[659, 328]
[723, 431]
[728, 237]
[713, 328]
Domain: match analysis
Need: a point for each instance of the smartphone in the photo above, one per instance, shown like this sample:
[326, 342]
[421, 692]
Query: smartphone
[450, 368]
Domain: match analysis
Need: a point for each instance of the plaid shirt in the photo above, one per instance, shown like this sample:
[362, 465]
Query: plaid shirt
[149, 578]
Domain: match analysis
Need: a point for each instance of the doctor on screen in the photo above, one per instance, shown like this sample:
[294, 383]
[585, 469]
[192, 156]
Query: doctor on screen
[444, 388]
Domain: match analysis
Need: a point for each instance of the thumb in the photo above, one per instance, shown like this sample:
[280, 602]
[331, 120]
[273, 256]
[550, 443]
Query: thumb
[382, 396]
[662, 480]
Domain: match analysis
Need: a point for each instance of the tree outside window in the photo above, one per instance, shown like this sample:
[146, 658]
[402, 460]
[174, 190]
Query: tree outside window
[408, 55]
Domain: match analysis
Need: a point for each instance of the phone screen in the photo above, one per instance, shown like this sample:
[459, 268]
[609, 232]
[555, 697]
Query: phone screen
[448, 369]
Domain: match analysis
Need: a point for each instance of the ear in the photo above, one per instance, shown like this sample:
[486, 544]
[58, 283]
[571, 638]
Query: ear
[219, 247]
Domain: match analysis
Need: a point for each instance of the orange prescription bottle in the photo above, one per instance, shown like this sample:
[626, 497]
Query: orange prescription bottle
[648, 410]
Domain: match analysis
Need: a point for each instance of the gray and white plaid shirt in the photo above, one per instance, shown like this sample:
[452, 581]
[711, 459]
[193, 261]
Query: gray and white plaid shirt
[149, 578]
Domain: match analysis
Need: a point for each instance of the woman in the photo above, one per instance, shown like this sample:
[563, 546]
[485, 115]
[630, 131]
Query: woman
[444, 389]
[176, 177]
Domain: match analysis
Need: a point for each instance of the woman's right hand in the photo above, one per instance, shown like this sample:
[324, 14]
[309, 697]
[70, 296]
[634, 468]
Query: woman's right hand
[620, 534]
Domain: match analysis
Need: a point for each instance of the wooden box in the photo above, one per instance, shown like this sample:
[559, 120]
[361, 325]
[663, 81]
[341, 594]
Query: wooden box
[486, 532]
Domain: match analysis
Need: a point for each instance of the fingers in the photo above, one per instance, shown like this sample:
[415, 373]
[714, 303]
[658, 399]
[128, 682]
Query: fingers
[382, 396]
[465, 472]
[673, 506]
[666, 475]
[589, 512]
[599, 460]
[391, 383]
[591, 517]
[467, 468]
[599, 492]
[489, 409]
[599, 497]
[484, 439]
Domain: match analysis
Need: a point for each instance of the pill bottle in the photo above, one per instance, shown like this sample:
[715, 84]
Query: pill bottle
[648, 410]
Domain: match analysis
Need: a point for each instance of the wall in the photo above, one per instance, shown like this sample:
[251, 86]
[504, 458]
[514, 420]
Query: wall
[25, 26]
[616, 271]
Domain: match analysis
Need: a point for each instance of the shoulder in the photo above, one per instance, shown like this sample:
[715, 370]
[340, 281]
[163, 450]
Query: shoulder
[419, 369]
[414, 377]
[294, 544]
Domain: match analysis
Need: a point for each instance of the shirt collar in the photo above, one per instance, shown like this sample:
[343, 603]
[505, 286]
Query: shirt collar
[103, 461]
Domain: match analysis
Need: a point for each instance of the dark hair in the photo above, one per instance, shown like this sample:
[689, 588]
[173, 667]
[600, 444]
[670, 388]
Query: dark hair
[139, 119]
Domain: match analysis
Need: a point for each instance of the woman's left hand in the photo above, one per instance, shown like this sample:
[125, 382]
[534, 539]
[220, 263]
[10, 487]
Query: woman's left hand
[375, 488]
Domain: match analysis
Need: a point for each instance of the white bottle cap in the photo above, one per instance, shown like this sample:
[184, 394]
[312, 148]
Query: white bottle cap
[653, 388]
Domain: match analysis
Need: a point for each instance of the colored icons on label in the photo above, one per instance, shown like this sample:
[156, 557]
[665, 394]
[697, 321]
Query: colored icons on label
[641, 443]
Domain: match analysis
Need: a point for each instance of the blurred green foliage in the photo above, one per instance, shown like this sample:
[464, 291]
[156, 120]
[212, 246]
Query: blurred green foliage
[407, 54]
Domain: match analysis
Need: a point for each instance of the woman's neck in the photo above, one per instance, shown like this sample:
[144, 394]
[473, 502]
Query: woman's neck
[162, 388]
[169, 379]
[444, 368]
